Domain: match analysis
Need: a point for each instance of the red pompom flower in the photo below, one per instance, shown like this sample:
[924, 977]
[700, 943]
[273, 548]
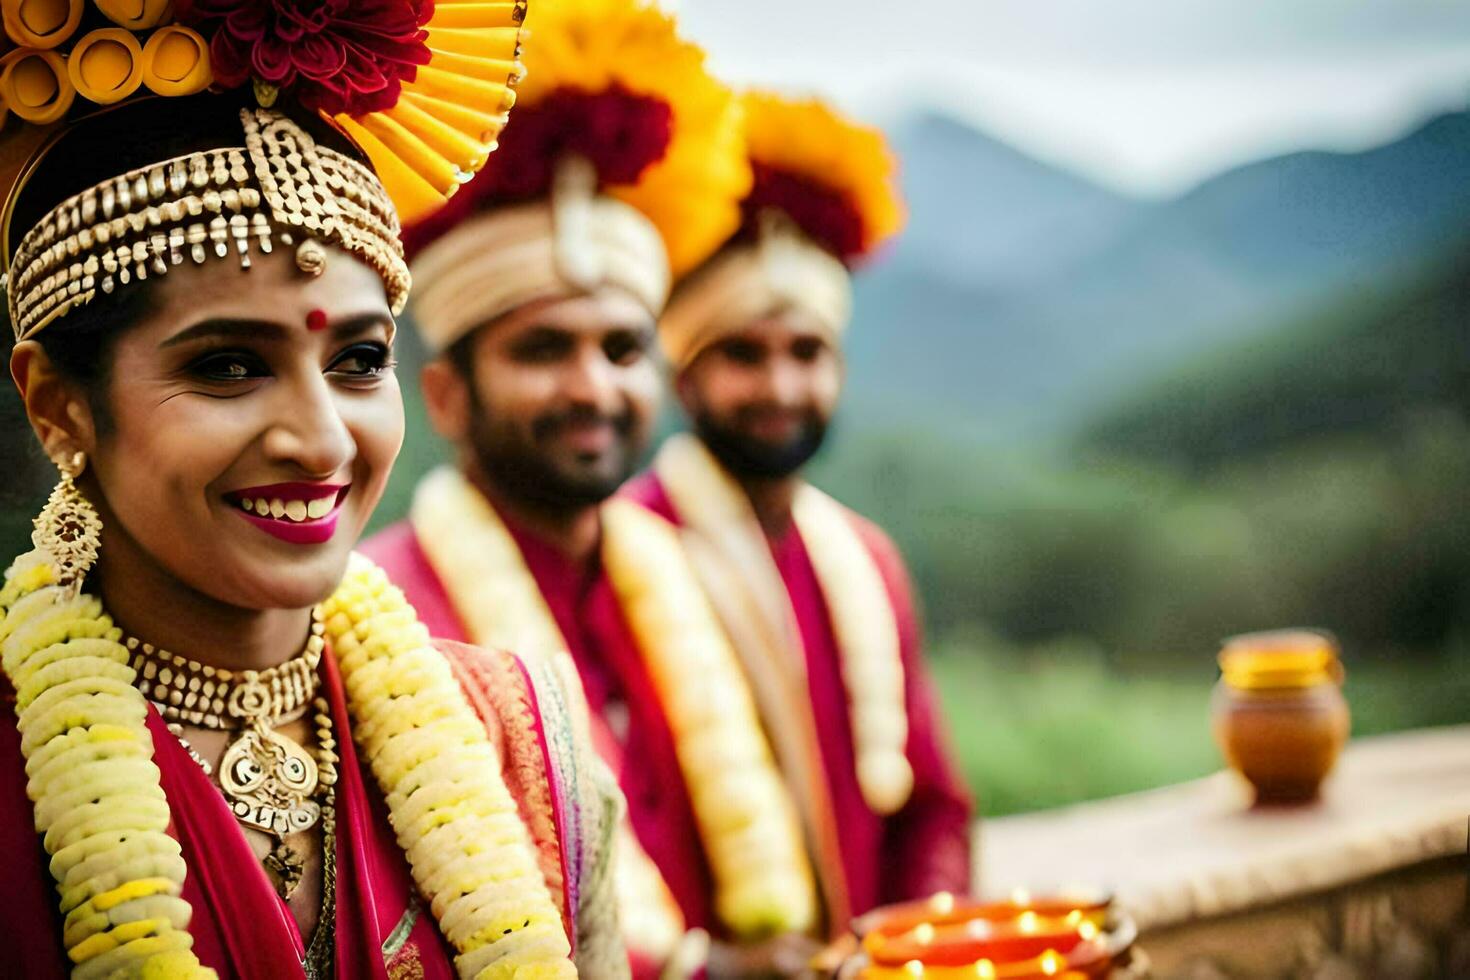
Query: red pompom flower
[337, 56]
[824, 214]
[621, 133]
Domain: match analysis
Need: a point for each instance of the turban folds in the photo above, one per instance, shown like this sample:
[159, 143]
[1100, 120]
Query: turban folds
[780, 270]
[498, 260]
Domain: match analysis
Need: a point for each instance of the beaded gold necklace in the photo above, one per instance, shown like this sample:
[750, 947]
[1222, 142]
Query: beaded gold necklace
[271, 782]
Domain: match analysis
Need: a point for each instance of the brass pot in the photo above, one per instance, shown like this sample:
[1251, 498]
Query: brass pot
[1278, 712]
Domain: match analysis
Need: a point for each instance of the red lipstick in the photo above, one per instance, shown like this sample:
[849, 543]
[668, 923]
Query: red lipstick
[297, 513]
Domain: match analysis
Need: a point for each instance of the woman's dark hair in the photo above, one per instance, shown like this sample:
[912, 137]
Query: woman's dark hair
[80, 344]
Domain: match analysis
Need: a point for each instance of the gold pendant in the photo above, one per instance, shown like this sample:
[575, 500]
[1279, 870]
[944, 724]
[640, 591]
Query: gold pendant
[287, 865]
[268, 780]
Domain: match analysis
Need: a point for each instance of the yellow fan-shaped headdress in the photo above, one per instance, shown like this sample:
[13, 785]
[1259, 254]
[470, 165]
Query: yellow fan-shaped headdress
[444, 125]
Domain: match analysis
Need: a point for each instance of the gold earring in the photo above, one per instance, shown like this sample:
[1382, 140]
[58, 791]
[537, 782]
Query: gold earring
[68, 529]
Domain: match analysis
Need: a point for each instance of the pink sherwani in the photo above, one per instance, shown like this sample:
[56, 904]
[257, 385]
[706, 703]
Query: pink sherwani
[924, 847]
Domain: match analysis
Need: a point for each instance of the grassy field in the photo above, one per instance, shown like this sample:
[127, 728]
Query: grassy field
[1060, 726]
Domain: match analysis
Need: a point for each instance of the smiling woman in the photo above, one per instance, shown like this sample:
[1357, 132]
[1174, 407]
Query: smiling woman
[223, 390]
[245, 755]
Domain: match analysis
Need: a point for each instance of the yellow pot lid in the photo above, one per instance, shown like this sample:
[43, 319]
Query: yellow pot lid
[1280, 659]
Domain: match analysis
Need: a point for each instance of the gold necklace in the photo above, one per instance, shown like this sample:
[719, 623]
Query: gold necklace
[269, 780]
[192, 693]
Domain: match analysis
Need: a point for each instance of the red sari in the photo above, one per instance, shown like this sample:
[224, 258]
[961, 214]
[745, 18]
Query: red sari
[925, 846]
[241, 926]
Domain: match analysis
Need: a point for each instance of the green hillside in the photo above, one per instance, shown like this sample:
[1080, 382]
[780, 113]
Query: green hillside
[1371, 359]
[1315, 478]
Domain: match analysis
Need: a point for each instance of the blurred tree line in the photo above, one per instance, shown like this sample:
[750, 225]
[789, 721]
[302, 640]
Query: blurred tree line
[1317, 477]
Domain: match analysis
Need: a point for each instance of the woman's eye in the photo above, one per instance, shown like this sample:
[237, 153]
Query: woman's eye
[363, 360]
[229, 366]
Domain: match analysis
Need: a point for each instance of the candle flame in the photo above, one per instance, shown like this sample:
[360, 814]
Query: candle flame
[1087, 931]
[985, 970]
[1027, 922]
[1074, 917]
[1051, 962]
[923, 933]
[942, 902]
[914, 968]
[1020, 896]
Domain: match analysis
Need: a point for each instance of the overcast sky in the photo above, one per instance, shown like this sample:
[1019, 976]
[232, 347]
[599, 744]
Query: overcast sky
[1145, 95]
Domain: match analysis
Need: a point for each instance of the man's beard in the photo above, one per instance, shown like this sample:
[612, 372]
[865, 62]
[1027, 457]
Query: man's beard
[747, 456]
[524, 472]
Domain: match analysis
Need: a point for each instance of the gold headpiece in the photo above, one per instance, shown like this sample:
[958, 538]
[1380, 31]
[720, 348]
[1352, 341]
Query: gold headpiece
[276, 187]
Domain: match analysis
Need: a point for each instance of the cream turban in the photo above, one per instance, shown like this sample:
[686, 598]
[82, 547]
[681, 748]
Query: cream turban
[781, 270]
[502, 259]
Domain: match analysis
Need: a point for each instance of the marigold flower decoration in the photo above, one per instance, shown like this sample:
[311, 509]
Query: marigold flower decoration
[836, 180]
[612, 82]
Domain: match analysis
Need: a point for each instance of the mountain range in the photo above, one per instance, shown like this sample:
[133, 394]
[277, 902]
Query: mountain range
[1022, 299]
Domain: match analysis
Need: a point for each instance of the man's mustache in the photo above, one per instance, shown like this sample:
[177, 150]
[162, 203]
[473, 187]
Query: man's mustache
[553, 423]
[806, 417]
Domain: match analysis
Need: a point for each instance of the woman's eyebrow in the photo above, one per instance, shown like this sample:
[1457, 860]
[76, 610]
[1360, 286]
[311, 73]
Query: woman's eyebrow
[270, 330]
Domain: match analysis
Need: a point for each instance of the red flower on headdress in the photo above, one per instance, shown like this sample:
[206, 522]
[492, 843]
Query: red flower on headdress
[621, 133]
[824, 214]
[336, 56]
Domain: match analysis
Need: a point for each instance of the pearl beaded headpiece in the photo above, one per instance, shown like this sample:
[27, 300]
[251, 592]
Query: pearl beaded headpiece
[278, 187]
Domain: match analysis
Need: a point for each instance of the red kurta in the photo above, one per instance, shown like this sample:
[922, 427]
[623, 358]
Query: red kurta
[633, 735]
[925, 847]
[241, 927]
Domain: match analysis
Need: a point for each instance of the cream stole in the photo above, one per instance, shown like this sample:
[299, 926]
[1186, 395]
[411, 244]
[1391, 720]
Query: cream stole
[747, 822]
[731, 554]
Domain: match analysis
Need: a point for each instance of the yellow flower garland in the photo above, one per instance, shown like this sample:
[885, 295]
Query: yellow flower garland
[100, 803]
[712, 503]
[469, 851]
[747, 820]
[98, 796]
